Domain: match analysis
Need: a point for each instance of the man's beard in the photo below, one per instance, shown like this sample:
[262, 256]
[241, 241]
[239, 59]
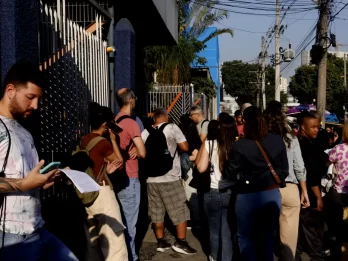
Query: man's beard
[16, 111]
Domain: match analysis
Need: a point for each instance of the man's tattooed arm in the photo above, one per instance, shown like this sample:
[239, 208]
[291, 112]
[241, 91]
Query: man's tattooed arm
[10, 185]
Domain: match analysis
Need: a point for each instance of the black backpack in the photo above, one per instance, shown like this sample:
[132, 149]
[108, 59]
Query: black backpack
[158, 160]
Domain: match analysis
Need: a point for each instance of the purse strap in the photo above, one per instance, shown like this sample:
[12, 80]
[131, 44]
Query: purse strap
[211, 148]
[269, 164]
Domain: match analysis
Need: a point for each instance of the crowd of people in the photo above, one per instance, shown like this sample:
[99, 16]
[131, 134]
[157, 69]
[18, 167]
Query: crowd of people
[250, 180]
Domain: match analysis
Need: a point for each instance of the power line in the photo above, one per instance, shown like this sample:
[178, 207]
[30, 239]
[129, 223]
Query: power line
[301, 47]
[238, 29]
[334, 16]
[212, 6]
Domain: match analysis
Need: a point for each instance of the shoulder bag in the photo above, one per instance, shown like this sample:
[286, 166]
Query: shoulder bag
[281, 183]
[201, 181]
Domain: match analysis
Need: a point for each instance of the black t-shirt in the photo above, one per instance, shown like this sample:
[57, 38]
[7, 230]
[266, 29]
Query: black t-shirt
[315, 162]
[192, 138]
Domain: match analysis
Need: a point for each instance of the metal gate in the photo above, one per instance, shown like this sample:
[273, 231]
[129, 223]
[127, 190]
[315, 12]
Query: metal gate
[76, 66]
[176, 99]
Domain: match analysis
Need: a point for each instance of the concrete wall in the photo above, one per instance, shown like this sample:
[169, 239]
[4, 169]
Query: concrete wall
[18, 33]
[168, 10]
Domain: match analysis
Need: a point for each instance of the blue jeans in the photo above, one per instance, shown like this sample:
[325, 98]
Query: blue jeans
[41, 245]
[216, 205]
[257, 219]
[130, 201]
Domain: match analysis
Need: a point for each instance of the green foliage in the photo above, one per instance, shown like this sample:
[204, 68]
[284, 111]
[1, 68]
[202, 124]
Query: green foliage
[203, 15]
[204, 85]
[240, 81]
[172, 63]
[304, 84]
[238, 77]
[182, 14]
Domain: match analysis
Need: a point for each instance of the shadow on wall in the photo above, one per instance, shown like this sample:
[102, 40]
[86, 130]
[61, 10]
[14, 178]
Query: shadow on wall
[63, 120]
[56, 127]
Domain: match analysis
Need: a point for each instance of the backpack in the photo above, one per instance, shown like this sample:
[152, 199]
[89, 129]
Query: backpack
[158, 160]
[203, 123]
[81, 161]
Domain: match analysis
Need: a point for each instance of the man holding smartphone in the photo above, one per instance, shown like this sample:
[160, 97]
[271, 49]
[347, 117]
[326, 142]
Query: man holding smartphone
[22, 236]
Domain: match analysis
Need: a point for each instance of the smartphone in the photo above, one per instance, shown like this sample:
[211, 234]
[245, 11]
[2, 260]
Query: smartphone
[115, 128]
[49, 167]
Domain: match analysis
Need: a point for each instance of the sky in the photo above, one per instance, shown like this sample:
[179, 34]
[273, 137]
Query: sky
[246, 46]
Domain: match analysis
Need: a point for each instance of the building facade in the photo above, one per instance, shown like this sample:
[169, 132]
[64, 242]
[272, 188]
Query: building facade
[212, 54]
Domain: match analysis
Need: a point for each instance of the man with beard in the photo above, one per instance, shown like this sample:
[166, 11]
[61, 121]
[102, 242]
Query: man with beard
[22, 236]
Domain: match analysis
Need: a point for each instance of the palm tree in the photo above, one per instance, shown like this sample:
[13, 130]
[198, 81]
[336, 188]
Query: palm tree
[201, 16]
[172, 63]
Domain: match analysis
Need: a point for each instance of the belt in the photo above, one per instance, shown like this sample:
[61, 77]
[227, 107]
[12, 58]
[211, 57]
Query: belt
[221, 190]
[290, 182]
[273, 186]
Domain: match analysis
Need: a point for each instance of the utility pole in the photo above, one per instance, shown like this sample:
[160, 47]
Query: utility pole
[345, 88]
[322, 66]
[263, 76]
[277, 54]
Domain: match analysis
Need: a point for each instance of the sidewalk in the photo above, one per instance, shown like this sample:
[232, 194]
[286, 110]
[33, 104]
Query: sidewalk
[148, 249]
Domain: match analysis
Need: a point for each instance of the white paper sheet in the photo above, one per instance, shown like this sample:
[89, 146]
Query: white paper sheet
[83, 182]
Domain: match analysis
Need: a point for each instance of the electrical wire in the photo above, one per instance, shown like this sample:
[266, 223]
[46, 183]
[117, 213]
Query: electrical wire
[334, 16]
[301, 47]
[238, 29]
[213, 6]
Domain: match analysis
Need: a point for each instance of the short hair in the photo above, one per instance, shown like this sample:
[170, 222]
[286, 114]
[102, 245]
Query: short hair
[97, 115]
[21, 73]
[160, 112]
[196, 109]
[307, 115]
[237, 113]
[345, 132]
[123, 96]
[274, 105]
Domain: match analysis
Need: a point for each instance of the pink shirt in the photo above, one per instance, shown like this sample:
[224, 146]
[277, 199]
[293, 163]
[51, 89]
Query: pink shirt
[240, 129]
[131, 130]
[339, 157]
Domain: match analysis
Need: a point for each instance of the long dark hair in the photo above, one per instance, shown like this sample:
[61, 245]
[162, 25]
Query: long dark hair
[213, 130]
[255, 126]
[227, 135]
[277, 124]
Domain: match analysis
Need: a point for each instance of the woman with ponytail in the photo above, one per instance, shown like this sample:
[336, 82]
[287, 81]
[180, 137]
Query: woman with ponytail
[258, 164]
[215, 150]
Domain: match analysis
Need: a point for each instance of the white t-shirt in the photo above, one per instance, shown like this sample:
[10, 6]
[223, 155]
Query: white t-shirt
[217, 181]
[174, 136]
[23, 209]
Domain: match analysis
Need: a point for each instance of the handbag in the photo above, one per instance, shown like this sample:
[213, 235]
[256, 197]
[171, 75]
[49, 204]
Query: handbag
[281, 183]
[201, 181]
